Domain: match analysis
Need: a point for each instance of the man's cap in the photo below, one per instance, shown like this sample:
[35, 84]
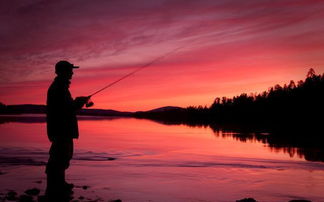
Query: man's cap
[63, 65]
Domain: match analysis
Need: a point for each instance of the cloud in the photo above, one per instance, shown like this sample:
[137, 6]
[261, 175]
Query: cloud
[108, 35]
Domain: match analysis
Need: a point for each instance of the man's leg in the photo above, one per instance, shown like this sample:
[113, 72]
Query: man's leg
[68, 157]
[57, 164]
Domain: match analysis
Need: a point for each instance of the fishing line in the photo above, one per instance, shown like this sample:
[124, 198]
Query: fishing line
[136, 70]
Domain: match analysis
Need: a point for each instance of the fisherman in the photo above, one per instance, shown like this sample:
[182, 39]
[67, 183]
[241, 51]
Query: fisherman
[62, 128]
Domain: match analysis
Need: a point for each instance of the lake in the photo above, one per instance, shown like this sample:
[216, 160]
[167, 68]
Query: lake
[141, 160]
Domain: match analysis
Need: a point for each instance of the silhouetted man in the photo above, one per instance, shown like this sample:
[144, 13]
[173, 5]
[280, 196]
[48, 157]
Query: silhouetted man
[62, 128]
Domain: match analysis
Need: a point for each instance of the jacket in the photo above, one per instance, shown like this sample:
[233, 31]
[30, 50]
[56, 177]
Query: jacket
[61, 111]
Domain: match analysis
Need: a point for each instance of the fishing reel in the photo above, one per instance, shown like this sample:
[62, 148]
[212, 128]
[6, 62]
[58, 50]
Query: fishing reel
[89, 103]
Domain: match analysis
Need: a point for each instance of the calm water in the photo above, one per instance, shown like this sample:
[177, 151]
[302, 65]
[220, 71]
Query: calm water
[156, 162]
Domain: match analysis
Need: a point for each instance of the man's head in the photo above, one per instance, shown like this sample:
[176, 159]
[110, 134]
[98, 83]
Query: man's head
[64, 69]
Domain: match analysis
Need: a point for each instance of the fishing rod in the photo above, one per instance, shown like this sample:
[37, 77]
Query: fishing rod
[90, 103]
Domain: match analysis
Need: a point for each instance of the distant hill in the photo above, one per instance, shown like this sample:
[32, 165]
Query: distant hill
[164, 114]
[103, 112]
[166, 108]
[41, 109]
[23, 109]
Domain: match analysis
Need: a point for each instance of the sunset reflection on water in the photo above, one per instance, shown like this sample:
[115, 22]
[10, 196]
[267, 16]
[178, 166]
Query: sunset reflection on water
[138, 160]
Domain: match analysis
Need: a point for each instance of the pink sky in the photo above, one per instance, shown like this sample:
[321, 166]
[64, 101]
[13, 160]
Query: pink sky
[229, 47]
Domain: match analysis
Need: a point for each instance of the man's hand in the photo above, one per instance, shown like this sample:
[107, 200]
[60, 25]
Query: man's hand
[81, 101]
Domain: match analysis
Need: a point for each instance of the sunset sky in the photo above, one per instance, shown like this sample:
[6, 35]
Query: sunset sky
[227, 47]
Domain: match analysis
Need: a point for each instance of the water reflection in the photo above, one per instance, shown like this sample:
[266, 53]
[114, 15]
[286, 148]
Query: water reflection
[303, 144]
[307, 146]
[297, 141]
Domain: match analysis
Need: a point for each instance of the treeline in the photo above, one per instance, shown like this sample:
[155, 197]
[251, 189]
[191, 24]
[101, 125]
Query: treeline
[280, 104]
[291, 104]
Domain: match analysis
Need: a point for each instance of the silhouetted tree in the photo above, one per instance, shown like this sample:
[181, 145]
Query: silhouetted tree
[311, 73]
[291, 85]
